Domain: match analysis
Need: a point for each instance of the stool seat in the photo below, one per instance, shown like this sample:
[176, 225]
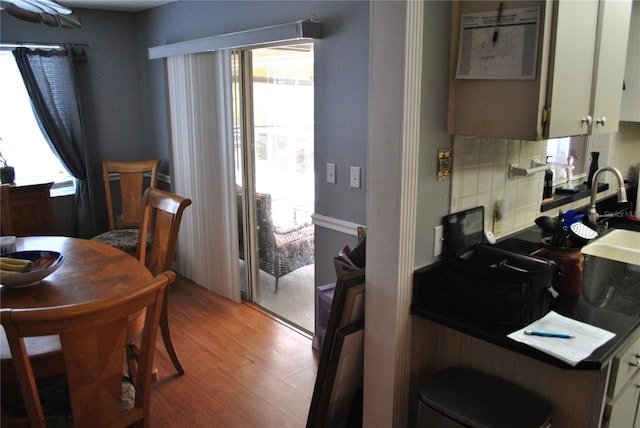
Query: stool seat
[475, 399]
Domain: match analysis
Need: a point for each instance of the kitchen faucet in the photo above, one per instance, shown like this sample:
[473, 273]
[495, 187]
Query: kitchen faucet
[592, 214]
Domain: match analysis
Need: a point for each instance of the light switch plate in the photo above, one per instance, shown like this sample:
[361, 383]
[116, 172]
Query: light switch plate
[331, 173]
[355, 177]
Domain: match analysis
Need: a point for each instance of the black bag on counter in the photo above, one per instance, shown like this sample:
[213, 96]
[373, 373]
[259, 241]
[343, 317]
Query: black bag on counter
[499, 286]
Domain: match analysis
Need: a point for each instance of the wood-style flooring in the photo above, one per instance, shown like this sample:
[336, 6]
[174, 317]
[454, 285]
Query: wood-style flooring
[242, 367]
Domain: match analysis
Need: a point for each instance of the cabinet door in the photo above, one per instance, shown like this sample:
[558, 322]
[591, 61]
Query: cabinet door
[569, 91]
[31, 211]
[622, 410]
[624, 366]
[630, 110]
[611, 53]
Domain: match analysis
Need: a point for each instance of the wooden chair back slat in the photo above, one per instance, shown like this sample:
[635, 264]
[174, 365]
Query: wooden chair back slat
[131, 182]
[162, 217]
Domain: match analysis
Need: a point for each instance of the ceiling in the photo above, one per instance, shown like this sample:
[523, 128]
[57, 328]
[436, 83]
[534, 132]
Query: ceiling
[115, 5]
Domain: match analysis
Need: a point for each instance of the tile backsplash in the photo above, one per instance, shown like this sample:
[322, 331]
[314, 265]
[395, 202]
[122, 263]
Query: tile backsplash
[481, 165]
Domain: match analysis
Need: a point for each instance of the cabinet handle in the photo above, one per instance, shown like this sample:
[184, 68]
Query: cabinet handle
[588, 120]
[635, 364]
[602, 121]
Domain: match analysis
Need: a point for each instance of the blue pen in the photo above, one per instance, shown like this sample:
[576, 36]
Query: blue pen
[548, 334]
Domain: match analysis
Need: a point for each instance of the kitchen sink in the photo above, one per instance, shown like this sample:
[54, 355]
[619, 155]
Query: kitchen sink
[619, 245]
[612, 271]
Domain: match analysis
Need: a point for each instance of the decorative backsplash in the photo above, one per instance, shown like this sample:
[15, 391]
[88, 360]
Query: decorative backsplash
[480, 174]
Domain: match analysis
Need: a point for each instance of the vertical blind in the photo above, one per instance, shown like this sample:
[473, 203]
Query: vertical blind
[199, 88]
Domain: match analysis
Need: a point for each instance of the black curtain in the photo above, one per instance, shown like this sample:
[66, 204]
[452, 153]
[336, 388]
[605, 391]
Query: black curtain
[51, 78]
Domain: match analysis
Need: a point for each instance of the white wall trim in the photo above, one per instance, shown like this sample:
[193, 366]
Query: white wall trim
[335, 224]
[408, 202]
[394, 138]
[164, 178]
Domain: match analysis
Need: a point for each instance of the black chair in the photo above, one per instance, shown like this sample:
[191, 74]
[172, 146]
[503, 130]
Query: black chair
[280, 250]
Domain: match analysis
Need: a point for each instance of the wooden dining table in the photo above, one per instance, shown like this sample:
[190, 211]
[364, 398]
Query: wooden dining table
[90, 271]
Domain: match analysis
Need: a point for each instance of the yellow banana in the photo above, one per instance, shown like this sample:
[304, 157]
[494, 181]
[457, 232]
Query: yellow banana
[7, 272]
[14, 265]
[13, 261]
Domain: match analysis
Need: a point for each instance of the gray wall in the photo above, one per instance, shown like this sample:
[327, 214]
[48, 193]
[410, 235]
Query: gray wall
[113, 69]
[130, 99]
[341, 86]
[433, 195]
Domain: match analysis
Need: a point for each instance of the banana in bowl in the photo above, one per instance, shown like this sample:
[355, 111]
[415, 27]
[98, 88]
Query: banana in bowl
[25, 268]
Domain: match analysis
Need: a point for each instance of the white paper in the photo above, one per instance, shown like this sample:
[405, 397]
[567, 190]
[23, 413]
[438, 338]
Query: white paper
[587, 337]
[514, 53]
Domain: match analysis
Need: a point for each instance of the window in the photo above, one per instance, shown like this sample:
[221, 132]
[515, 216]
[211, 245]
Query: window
[23, 144]
[567, 156]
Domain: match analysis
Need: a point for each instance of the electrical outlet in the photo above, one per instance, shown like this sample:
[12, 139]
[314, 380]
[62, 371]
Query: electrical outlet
[437, 240]
[355, 177]
[331, 173]
[497, 226]
[444, 164]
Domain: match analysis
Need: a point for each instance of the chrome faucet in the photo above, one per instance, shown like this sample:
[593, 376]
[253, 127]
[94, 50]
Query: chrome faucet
[592, 214]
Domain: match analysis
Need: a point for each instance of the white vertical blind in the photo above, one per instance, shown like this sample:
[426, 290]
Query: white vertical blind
[199, 87]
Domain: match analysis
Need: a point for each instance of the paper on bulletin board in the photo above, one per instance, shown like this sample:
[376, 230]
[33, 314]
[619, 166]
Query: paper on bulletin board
[511, 53]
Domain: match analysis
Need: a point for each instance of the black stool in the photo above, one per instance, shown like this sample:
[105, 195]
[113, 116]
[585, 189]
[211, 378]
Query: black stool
[459, 397]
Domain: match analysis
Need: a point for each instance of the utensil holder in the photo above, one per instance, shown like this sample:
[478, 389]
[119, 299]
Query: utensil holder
[570, 262]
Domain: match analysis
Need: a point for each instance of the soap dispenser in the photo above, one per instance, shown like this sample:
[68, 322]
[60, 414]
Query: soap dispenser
[593, 167]
[547, 193]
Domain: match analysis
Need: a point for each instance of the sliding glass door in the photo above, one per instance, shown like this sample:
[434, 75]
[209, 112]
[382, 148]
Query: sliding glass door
[274, 146]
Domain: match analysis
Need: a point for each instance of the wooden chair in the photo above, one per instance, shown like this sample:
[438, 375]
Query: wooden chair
[161, 220]
[124, 200]
[93, 337]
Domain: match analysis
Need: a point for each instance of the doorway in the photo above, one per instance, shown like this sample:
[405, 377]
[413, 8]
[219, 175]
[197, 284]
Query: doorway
[273, 107]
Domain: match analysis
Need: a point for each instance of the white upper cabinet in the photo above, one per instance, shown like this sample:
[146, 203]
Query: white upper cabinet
[577, 85]
[630, 110]
[568, 100]
[611, 53]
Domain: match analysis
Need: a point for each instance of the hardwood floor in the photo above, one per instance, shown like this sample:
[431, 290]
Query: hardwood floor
[242, 367]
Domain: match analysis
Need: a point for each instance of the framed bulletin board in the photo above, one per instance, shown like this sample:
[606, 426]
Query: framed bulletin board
[500, 44]
[340, 366]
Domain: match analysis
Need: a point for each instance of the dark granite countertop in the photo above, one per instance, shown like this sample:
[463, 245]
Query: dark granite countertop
[609, 299]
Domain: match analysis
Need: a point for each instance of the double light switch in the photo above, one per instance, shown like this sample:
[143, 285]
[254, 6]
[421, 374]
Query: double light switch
[354, 178]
